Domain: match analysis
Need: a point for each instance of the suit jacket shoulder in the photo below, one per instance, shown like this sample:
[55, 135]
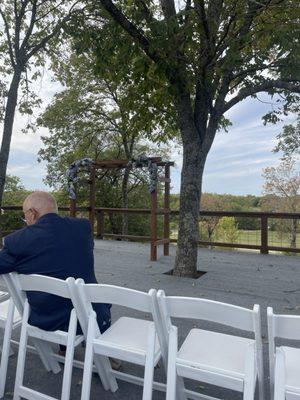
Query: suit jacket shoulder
[16, 240]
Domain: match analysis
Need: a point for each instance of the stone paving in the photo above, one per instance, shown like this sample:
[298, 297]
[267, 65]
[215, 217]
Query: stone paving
[241, 278]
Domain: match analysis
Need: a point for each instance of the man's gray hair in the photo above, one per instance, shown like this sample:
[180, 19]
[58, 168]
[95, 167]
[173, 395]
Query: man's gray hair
[42, 202]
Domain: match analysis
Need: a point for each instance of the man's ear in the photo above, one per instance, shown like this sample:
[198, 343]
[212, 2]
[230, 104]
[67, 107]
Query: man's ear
[35, 214]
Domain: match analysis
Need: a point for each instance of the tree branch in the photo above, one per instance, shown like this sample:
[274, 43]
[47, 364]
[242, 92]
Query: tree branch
[187, 10]
[200, 8]
[31, 25]
[48, 37]
[137, 34]
[292, 86]
[168, 8]
[18, 19]
[50, 10]
[10, 47]
[147, 13]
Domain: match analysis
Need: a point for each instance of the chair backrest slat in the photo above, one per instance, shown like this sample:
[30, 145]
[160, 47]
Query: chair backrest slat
[209, 310]
[81, 304]
[46, 284]
[285, 326]
[98, 293]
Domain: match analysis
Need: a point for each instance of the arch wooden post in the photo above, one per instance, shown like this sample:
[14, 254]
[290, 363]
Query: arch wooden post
[167, 211]
[92, 197]
[73, 205]
[73, 208]
[153, 225]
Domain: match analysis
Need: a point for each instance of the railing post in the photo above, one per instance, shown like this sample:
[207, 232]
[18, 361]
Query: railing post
[100, 224]
[92, 197]
[264, 234]
[153, 225]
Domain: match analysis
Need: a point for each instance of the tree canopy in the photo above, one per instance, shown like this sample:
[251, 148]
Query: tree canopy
[199, 59]
[28, 27]
[289, 140]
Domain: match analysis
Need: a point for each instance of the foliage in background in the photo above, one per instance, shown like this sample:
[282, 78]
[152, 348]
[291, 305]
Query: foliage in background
[289, 140]
[14, 195]
[227, 230]
[282, 193]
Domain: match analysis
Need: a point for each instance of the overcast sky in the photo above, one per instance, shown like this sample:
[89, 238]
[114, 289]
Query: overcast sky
[234, 164]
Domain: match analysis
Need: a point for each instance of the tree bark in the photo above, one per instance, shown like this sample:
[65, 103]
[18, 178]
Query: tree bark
[194, 157]
[12, 99]
[196, 143]
[190, 195]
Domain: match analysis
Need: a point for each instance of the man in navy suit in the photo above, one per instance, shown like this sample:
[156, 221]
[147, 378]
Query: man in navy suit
[53, 246]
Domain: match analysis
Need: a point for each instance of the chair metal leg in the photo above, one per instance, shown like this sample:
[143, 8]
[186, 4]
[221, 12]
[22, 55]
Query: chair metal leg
[22, 353]
[6, 346]
[149, 365]
[67, 378]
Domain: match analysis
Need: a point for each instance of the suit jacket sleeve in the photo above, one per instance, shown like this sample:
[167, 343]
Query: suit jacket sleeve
[7, 260]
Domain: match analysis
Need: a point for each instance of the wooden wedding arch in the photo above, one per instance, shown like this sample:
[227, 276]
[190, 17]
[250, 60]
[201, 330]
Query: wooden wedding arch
[154, 211]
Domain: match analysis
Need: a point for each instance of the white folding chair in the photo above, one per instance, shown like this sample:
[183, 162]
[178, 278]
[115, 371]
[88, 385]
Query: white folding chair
[129, 339]
[69, 339]
[43, 348]
[284, 361]
[9, 320]
[228, 361]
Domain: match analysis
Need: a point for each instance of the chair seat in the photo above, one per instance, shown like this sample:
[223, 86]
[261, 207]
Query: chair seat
[130, 334]
[216, 351]
[3, 314]
[292, 362]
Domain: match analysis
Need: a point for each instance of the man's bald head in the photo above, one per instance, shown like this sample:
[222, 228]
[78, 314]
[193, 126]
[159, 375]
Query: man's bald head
[38, 204]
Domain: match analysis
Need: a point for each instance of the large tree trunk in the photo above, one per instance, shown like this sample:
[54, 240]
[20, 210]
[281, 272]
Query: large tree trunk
[10, 109]
[194, 157]
[196, 141]
[11, 104]
[190, 195]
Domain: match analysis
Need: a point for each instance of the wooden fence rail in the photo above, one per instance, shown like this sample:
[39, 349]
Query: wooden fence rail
[264, 247]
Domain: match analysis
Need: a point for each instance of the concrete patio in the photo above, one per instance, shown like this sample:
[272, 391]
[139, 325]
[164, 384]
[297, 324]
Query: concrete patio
[239, 278]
